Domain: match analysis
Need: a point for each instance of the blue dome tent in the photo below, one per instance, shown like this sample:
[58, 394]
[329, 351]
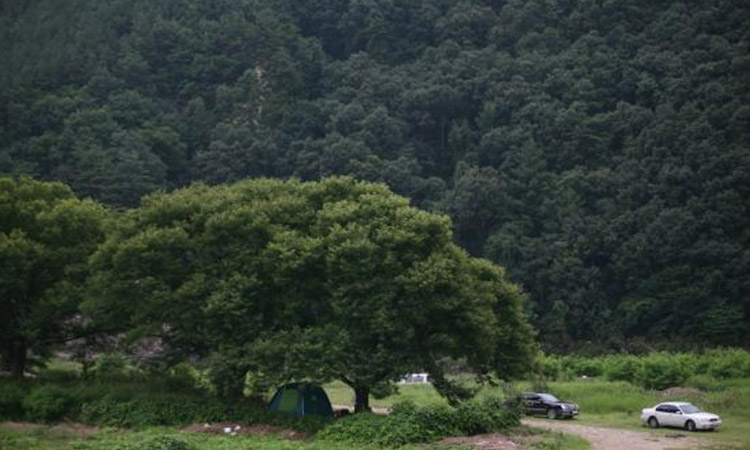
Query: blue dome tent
[301, 399]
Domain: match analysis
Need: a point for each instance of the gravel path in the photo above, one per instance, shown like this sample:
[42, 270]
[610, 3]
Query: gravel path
[603, 438]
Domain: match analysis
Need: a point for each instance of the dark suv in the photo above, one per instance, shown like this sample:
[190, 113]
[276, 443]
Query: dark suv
[547, 404]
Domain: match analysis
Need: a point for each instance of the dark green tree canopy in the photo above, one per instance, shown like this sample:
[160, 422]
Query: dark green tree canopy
[286, 280]
[597, 149]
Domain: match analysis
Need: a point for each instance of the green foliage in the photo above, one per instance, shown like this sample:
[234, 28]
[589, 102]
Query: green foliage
[622, 368]
[289, 280]
[109, 366]
[147, 402]
[487, 416]
[158, 443]
[596, 150]
[12, 395]
[182, 409]
[48, 403]
[364, 427]
[703, 382]
[654, 370]
[142, 411]
[725, 363]
[408, 423]
[46, 237]
[661, 371]
[52, 438]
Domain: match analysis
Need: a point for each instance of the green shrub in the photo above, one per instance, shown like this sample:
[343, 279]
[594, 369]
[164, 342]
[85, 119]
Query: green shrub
[622, 368]
[157, 443]
[414, 424]
[661, 370]
[11, 400]
[48, 403]
[550, 367]
[110, 366]
[135, 405]
[590, 367]
[183, 377]
[408, 424]
[703, 382]
[152, 410]
[180, 409]
[471, 420]
[361, 428]
[727, 363]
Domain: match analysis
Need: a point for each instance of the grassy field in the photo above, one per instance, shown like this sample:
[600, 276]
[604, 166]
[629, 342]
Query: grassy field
[614, 404]
[51, 438]
[603, 403]
[58, 438]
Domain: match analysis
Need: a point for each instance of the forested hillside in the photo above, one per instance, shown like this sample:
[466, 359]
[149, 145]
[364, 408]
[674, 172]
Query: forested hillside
[598, 149]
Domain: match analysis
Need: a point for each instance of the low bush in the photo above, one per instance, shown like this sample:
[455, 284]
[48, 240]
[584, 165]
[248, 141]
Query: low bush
[157, 443]
[359, 428]
[622, 368]
[181, 409]
[11, 400]
[489, 416]
[409, 424]
[48, 403]
[650, 371]
[110, 366]
[550, 366]
[660, 371]
[726, 363]
[131, 405]
[590, 367]
[703, 382]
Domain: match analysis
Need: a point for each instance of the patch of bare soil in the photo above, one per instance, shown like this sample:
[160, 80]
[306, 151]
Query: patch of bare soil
[603, 438]
[65, 428]
[71, 428]
[234, 429]
[485, 442]
[20, 426]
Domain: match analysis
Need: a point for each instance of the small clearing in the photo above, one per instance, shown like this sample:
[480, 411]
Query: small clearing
[603, 438]
[485, 442]
[234, 429]
[63, 428]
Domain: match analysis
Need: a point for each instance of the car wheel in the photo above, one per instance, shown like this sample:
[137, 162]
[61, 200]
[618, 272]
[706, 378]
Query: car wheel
[653, 422]
[690, 425]
[551, 413]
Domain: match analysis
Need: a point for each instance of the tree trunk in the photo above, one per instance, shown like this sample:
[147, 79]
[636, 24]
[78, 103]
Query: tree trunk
[361, 399]
[16, 356]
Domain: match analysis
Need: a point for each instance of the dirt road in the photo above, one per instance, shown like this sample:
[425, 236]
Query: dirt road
[603, 438]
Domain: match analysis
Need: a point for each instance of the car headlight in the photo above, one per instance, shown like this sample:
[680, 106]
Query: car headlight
[563, 407]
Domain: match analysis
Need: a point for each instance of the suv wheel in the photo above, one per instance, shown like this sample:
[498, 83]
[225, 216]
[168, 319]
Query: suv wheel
[551, 413]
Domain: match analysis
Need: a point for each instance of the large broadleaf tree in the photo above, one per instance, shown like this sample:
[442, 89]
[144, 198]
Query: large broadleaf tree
[281, 280]
[46, 237]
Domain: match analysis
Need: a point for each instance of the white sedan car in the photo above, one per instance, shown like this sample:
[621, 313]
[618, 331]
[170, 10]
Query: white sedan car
[679, 414]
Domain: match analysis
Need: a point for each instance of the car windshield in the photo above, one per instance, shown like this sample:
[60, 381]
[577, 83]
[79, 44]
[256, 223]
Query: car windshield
[549, 398]
[690, 409]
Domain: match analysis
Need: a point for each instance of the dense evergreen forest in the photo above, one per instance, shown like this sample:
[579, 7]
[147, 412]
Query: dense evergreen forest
[598, 149]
